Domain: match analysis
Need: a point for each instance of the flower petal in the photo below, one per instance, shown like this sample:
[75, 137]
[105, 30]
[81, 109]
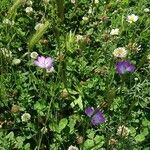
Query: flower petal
[89, 111]
[98, 118]
[41, 59]
[48, 62]
[37, 63]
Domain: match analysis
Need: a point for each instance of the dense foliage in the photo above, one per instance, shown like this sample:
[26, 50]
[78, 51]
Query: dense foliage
[74, 72]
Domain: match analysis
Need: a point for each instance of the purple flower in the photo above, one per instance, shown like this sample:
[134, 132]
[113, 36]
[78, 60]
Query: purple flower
[96, 116]
[44, 62]
[124, 67]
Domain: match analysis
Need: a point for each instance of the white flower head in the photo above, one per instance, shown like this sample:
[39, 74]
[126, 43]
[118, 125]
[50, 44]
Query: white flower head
[96, 1]
[16, 61]
[72, 148]
[123, 131]
[38, 26]
[146, 10]
[85, 18]
[29, 2]
[79, 37]
[25, 117]
[132, 18]
[114, 31]
[34, 55]
[90, 10]
[6, 52]
[29, 10]
[44, 130]
[73, 1]
[120, 52]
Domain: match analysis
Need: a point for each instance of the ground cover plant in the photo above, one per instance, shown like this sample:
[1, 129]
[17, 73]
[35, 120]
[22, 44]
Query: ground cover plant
[74, 75]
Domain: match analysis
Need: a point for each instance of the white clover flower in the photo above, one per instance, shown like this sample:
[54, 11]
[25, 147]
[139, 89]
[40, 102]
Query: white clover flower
[79, 37]
[123, 131]
[25, 117]
[120, 52]
[29, 9]
[85, 18]
[16, 61]
[6, 52]
[73, 1]
[29, 2]
[146, 10]
[44, 130]
[96, 1]
[20, 49]
[38, 26]
[72, 148]
[114, 31]
[34, 55]
[132, 18]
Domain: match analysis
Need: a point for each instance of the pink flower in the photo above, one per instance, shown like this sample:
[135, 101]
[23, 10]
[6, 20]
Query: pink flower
[44, 62]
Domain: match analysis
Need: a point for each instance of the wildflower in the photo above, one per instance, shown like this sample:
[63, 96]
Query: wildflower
[38, 26]
[85, 18]
[34, 55]
[29, 10]
[72, 148]
[123, 131]
[146, 10]
[96, 1]
[16, 61]
[73, 1]
[44, 62]
[124, 67]
[132, 18]
[6, 52]
[25, 117]
[29, 2]
[112, 141]
[20, 49]
[44, 130]
[79, 37]
[114, 31]
[80, 139]
[97, 116]
[120, 52]
[15, 109]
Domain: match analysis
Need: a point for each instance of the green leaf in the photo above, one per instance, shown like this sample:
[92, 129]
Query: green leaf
[62, 124]
[140, 138]
[78, 102]
[88, 144]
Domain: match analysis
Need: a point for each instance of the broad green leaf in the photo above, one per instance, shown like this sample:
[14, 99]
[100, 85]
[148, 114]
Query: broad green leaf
[62, 124]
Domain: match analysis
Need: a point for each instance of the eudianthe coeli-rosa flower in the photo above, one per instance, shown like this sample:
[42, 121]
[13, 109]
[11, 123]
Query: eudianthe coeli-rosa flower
[96, 115]
[125, 66]
[44, 62]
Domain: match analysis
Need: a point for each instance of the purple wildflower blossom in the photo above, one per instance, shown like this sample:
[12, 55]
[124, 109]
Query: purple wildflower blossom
[124, 67]
[97, 116]
[44, 62]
